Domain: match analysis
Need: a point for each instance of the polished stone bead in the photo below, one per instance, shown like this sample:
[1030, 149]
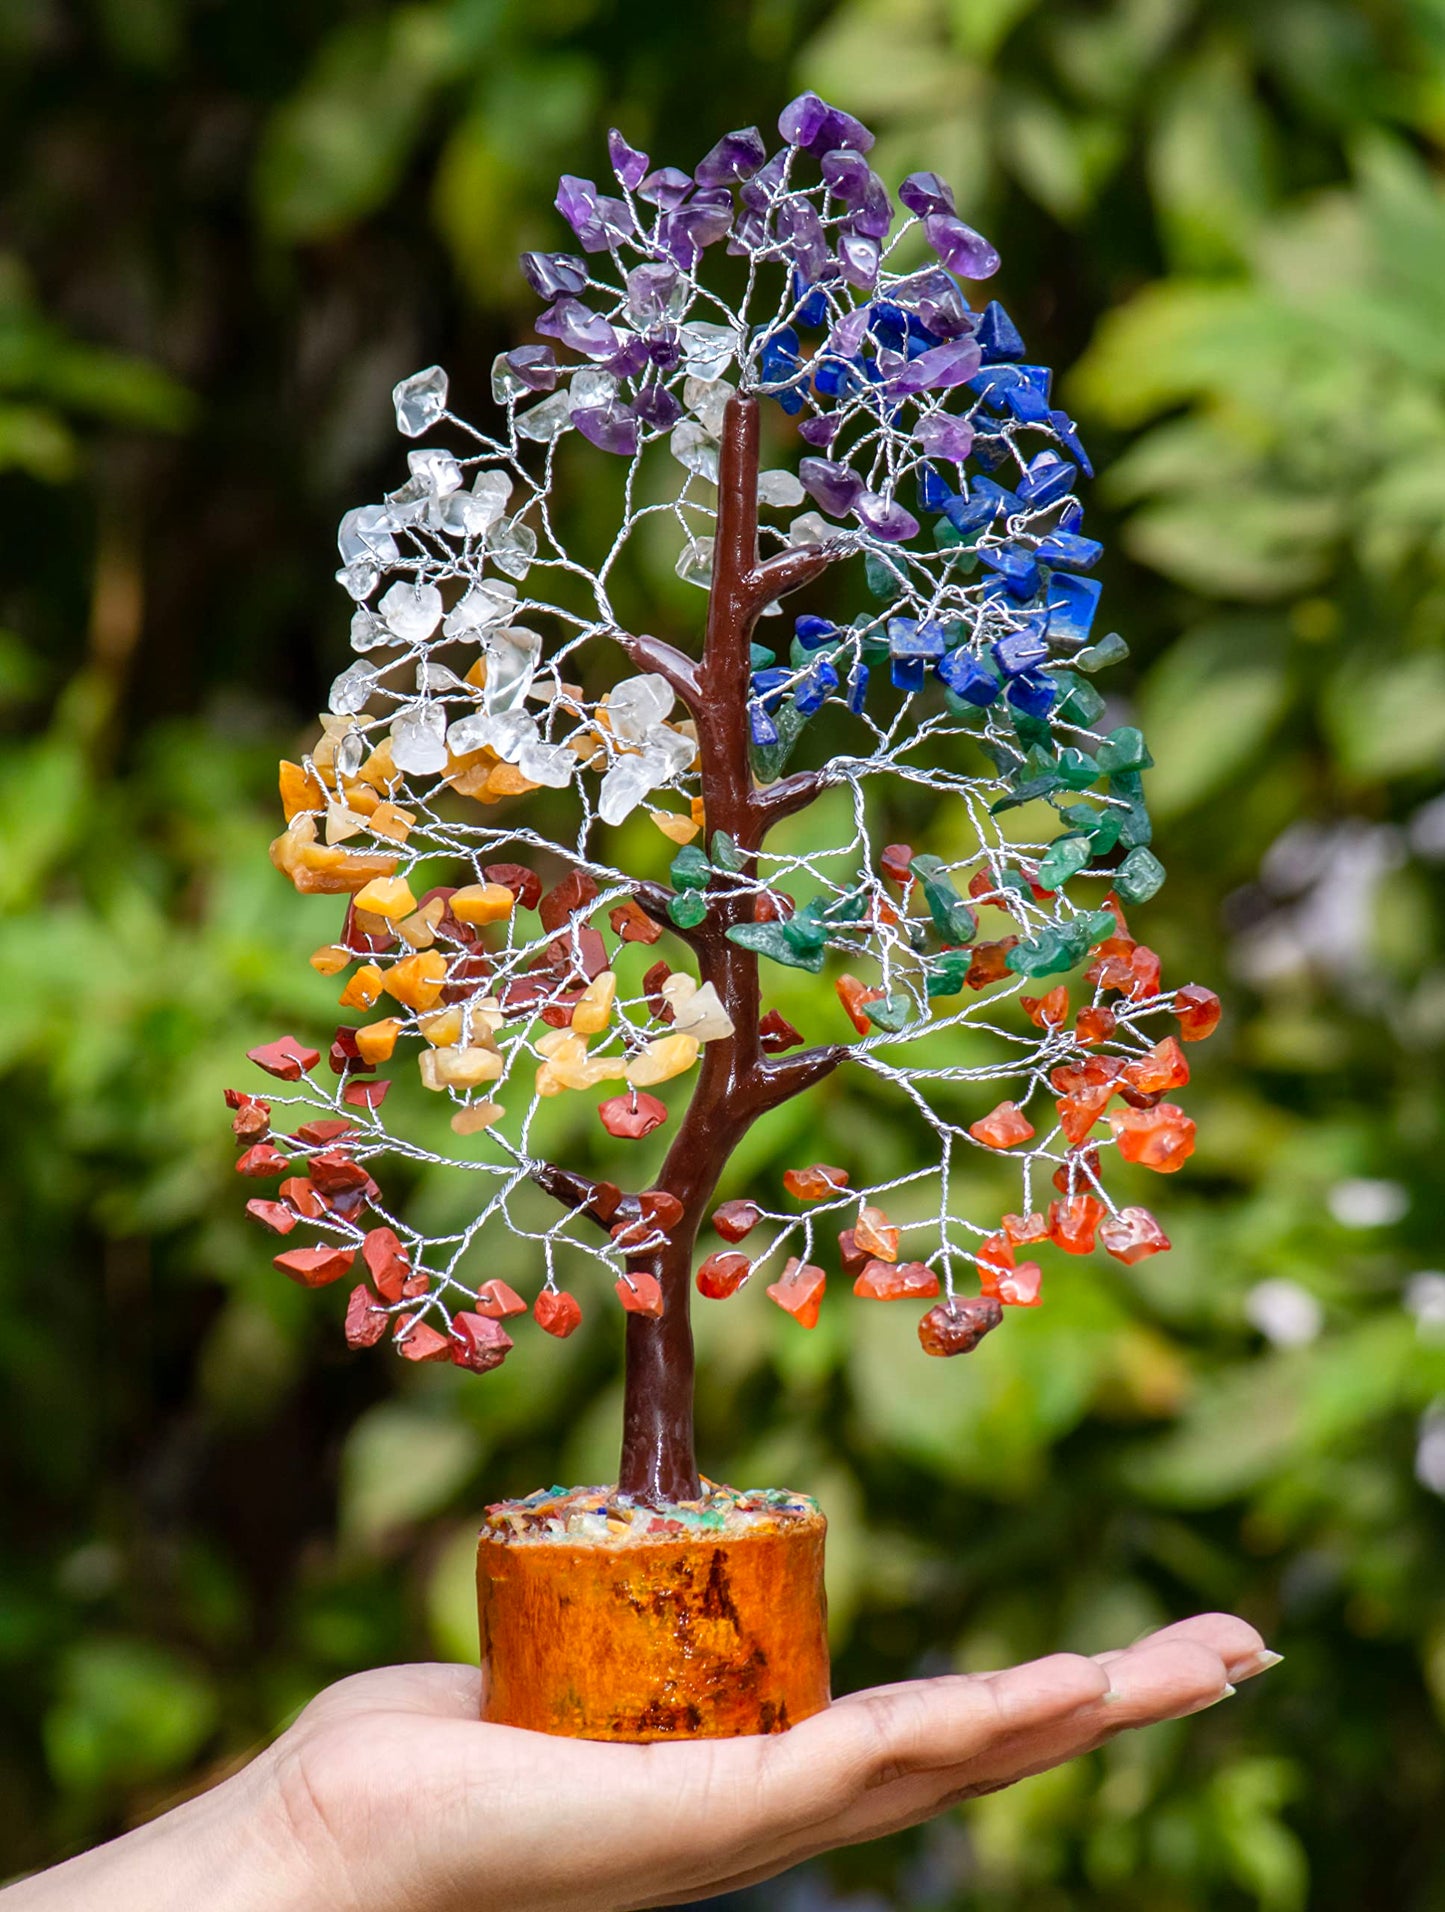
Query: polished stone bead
[1047, 479]
[958, 1325]
[819, 128]
[968, 678]
[1198, 1010]
[1032, 693]
[736, 157]
[1123, 750]
[722, 1274]
[885, 518]
[799, 1291]
[1003, 1127]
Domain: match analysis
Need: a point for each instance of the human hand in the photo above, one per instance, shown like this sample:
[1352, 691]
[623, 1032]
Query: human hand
[389, 1795]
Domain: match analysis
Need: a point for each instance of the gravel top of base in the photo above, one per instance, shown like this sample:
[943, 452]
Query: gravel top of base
[600, 1516]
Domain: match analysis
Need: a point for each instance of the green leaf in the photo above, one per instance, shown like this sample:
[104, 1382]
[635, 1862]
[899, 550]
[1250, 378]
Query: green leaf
[128, 1712]
[1210, 705]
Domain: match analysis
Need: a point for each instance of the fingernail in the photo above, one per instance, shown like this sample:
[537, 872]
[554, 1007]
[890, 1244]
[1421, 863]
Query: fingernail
[1260, 1661]
[1204, 1705]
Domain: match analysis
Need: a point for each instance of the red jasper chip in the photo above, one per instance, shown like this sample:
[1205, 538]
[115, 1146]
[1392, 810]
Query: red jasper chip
[905, 1281]
[557, 1313]
[419, 1342]
[633, 925]
[602, 1201]
[336, 1174]
[252, 1120]
[799, 1291]
[581, 952]
[815, 1184]
[345, 1057]
[286, 1058]
[895, 861]
[1198, 1010]
[303, 1197]
[1021, 1229]
[498, 1302]
[1132, 1234]
[318, 1134]
[980, 886]
[315, 1267]
[261, 1161]
[722, 1275]
[652, 982]
[957, 1326]
[365, 1095]
[273, 1215]
[480, 1342]
[640, 1293]
[632, 1115]
[1002, 1127]
[660, 1207]
[366, 1322]
[365, 942]
[636, 1234]
[1073, 1222]
[733, 1220]
[387, 1261]
[577, 891]
[524, 884]
[777, 1034]
[415, 1285]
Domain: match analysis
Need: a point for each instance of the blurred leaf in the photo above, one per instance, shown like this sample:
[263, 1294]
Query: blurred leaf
[400, 1464]
[1209, 705]
[126, 1711]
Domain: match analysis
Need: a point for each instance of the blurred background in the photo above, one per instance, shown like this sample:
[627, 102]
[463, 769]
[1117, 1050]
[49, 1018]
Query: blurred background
[225, 231]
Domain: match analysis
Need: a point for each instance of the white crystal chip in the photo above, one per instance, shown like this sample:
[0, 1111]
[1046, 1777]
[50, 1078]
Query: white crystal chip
[412, 610]
[480, 608]
[694, 564]
[419, 740]
[351, 692]
[695, 448]
[781, 488]
[636, 704]
[707, 350]
[551, 764]
[435, 471]
[545, 421]
[706, 399]
[420, 401]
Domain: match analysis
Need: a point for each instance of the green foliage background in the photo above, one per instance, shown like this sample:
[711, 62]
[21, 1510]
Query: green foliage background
[226, 230]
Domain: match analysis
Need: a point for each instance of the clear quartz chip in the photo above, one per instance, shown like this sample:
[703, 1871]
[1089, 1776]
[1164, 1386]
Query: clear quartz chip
[811, 529]
[481, 607]
[622, 789]
[352, 690]
[419, 740]
[695, 448]
[420, 401]
[368, 631]
[436, 472]
[694, 564]
[551, 764]
[591, 386]
[358, 580]
[637, 705]
[364, 537]
[432, 676]
[706, 399]
[412, 610]
[512, 547]
[780, 488]
[707, 350]
[546, 420]
[349, 753]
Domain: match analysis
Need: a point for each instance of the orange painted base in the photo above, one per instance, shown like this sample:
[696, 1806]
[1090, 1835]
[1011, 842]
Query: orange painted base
[699, 1638]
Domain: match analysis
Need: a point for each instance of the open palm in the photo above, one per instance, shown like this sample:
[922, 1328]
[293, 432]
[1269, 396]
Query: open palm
[389, 1795]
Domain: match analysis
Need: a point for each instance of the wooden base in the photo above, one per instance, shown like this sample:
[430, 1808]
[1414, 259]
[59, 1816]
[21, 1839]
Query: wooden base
[699, 1638]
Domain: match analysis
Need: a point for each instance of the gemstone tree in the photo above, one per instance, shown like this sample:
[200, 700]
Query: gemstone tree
[920, 478]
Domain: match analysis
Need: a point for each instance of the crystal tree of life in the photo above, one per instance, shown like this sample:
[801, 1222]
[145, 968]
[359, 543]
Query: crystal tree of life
[920, 479]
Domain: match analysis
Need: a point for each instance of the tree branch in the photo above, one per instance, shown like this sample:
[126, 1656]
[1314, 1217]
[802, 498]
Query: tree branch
[656, 654]
[791, 570]
[791, 794]
[783, 1080]
[653, 899]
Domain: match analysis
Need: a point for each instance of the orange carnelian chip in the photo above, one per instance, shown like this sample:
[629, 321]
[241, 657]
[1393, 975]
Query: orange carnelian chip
[1095, 1025]
[815, 1184]
[895, 861]
[733, 1220]
[957, 1326]
[799, 1291]
[722, 1275]
[417, 980]
[1198, 1011]
[1020, 1287]
[1132, 1234]
[995, 1254]
[1002, 1127]
[330, 959]
[908, 1281]
[1073, 1221]
[1163, 1068]
[1025, 1228]
[1160, 1138]
[990, 963]
[1047, 1012]
[874, 1234]
[853, 994]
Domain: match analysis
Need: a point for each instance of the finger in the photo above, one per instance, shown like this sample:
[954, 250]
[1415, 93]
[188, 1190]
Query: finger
[1237, 1643]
